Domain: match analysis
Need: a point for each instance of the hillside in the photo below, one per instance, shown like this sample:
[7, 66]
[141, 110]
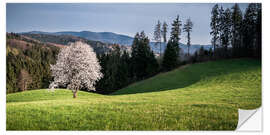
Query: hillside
[28, 59]
[98, 46]
[203, 96]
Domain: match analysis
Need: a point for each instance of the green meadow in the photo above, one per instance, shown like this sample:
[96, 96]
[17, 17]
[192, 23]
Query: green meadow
[202, 96]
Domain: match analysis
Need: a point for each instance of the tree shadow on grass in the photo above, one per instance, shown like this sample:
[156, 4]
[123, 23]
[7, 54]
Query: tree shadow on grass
[187, 75]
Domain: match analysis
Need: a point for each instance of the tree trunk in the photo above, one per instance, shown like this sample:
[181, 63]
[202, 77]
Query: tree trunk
[75, 94]
[188, 50]
[160, 49]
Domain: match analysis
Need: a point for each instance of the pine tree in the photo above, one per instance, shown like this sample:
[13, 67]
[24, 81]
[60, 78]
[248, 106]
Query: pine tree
[221, 25]
[227, 31]
[176, 30]
[170, 57]
[236, 30]
[224, 30]
[215, 26]
[171, 54]
[144, 63]
[188, 28]
[249, 29]
[157, 36]
[259, 32]
[164, 32]
[115, 69]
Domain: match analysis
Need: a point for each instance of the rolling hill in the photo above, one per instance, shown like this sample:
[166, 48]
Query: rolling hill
[99, 47]
[202, 96]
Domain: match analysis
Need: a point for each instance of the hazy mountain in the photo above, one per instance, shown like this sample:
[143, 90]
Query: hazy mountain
[110, 37]
[106, 37]
[99, 47]
[193, 48]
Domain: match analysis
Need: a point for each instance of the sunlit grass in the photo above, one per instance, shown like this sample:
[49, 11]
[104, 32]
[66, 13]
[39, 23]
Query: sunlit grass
[202, 96]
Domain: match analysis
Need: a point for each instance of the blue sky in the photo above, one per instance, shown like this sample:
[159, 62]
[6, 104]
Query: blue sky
[120, 18]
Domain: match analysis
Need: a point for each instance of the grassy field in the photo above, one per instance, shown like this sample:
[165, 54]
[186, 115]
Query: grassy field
[203, 96]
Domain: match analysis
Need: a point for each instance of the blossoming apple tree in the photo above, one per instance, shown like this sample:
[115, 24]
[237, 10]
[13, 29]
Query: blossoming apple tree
[76, 67]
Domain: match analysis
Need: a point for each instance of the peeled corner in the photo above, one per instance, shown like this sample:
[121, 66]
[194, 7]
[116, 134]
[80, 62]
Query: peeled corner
[249, 120]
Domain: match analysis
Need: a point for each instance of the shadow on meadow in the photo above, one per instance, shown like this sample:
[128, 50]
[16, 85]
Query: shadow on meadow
[187, 75]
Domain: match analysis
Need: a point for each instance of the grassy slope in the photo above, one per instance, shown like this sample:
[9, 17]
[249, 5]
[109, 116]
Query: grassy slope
[202, 96]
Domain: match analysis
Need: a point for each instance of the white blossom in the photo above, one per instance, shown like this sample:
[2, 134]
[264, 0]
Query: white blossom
[76, 67]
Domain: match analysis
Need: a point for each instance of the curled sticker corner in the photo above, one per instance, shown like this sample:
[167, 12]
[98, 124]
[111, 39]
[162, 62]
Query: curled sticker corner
[244, 116]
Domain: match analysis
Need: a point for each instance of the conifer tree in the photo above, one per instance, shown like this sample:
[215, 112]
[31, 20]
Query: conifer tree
[215, 26]
[226, 31]
[259, 32]
[170, 57]
[164, 32]
[236, 30]
[188, 28]
[171, 54]
[157, 36]
[144, 63]
[221, 25]
[249, 29]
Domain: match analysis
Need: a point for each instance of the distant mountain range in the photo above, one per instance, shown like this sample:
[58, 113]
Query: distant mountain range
[110, 37]
[106, 37]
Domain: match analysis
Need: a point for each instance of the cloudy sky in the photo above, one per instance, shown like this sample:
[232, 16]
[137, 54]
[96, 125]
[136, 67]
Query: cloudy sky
[111, 17]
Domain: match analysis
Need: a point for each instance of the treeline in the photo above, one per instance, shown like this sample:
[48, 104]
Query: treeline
[28, 65]
[234, 34]
[121, 68]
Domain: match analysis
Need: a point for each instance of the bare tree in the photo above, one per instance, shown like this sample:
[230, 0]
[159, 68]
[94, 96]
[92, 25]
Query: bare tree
[24, 80]
[76, 67]
[188, 28]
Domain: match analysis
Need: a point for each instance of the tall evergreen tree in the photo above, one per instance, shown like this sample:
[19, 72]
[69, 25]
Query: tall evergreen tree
[258, 52]
[171, 54]
[221, 24]
[175, 35]
[170, 57]
[226, 30]
[157, 36]
[164, 32]
[176, 30]
[144, 63]
[249, 29]
[188, 28]
[214, 26]
[236, 30]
